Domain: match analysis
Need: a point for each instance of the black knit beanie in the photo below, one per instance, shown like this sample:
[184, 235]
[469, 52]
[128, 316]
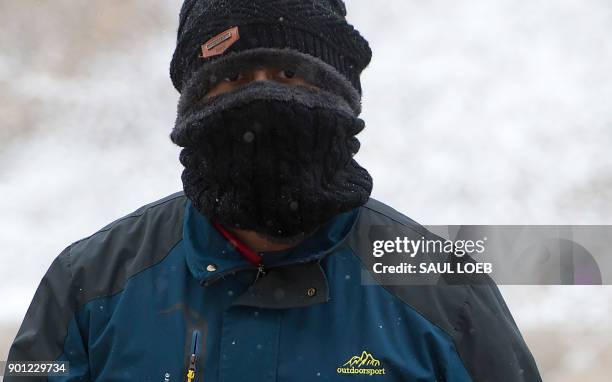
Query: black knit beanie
[315, 28]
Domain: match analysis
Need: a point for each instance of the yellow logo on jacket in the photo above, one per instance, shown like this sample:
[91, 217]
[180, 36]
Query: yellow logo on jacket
[362, 364]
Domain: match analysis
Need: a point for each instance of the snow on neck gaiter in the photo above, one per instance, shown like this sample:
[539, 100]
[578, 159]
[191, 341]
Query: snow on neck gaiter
[272, 158]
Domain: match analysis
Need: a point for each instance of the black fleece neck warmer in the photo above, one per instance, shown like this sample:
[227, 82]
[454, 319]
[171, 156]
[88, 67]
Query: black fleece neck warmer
[269, 157]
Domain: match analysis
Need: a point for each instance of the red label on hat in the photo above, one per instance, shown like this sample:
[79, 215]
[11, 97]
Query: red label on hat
[218, 44]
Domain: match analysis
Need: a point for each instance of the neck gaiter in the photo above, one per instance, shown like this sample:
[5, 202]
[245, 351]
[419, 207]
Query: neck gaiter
[272, 158]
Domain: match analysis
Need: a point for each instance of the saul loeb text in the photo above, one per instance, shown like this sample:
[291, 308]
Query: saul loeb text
[435, 255]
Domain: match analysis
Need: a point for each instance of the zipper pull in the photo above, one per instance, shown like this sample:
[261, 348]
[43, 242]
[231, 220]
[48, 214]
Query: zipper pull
[194, 355]
[191, 370]
[260, 272]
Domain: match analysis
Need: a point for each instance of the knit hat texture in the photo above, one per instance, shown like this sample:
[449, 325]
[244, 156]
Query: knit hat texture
[317, 28]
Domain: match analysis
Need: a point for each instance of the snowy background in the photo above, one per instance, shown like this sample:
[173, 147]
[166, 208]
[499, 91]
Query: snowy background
[477, 112]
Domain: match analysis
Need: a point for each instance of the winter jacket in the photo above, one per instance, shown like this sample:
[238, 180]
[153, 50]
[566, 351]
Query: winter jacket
[160, 295]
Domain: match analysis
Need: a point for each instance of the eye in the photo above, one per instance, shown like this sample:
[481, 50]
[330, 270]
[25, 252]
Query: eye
[288, 73]
[233, 77]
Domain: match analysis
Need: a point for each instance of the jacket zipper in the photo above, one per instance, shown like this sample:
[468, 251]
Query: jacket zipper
[191, 371]
[218, 276]
[261, 271]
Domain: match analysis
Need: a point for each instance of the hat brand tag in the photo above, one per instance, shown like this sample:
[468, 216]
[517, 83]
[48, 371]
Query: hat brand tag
[218, 44]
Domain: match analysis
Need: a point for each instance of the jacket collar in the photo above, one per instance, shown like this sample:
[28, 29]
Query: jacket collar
[210, 256]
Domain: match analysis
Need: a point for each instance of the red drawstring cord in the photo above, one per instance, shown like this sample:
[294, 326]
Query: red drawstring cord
[244, 250]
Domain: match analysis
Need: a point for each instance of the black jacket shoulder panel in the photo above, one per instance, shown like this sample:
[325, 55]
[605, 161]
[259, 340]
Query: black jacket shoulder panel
[46, 321]
[102, 263]
[96, 266]
[140, 211]
[389, 213]
[470, 310]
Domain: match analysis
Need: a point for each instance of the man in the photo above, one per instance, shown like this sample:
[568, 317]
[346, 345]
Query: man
[256, 271]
